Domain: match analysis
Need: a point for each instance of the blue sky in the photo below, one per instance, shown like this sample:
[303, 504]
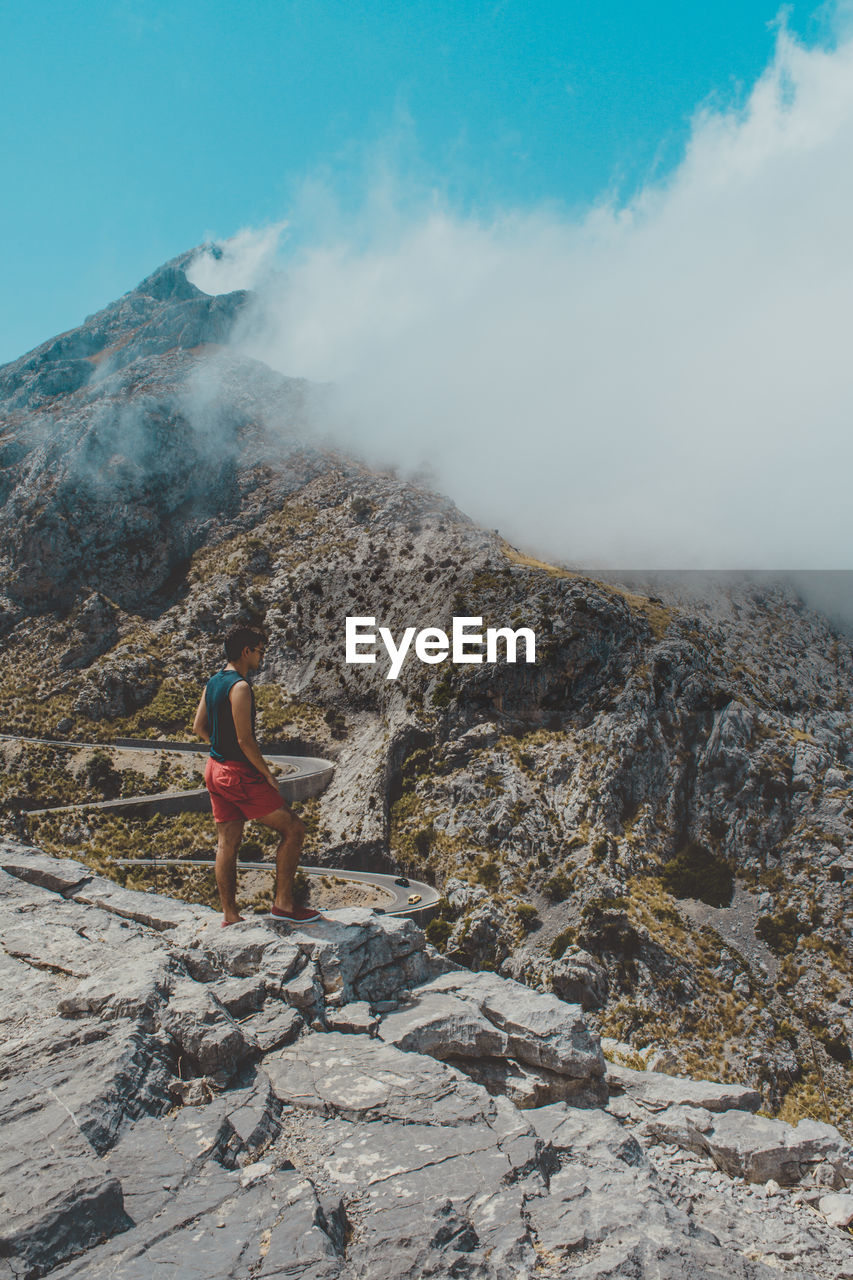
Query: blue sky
[132, 131]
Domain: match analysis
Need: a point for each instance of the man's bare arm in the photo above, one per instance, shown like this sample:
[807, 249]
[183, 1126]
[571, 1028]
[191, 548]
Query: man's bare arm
[201, 727]
[241, 709]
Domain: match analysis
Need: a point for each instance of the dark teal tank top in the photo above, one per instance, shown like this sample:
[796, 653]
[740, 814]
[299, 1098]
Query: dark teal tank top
[223, 735]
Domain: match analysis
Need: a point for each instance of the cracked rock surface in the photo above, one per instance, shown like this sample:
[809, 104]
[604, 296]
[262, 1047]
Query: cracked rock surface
[341, 1103]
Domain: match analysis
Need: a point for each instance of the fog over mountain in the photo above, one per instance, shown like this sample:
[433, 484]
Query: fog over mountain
[640, 844]
[661, 385]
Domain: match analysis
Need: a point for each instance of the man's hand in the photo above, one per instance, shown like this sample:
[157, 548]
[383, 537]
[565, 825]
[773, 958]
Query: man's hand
[267, 772]
[241, 710]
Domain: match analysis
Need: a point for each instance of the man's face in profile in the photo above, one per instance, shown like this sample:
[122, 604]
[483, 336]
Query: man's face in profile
[256, 654]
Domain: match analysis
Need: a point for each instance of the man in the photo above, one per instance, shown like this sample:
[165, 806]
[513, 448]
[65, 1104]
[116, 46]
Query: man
[240, 782]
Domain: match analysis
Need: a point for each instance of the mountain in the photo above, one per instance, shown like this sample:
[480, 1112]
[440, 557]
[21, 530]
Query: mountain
[654, 819]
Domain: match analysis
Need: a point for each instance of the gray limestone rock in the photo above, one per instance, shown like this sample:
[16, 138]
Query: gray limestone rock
[749, 1146]
[204, 1033]
[356, 1077]
[531, 1047]
[242, 951]
[463, 896]
[837, 1209]
[304, 990]
[139, 985]
[354, 1017]
[167, 1112]
[153, 910]
[435, 1168]
[482, 936]
[60, 875]
[685, 1127]
[654, 1091]
[275, 1025]
[57, 1198]
[444, 1026]
[100, 1072]
[757, 1148]
[606, 1213]
[362, 956]
[578, 978]
[216, 1229]
[540, 1030]
[527, 1086]
[568, 1130]
[241, 996]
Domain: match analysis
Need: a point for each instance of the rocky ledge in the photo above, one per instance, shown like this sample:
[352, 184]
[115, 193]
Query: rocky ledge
[342, 1101]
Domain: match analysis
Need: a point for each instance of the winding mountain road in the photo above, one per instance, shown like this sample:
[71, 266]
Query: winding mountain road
[301, 777]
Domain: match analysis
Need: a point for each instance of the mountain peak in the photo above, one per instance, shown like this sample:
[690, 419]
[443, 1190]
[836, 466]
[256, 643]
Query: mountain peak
[169, 282]
[110, 413]
[165, 312]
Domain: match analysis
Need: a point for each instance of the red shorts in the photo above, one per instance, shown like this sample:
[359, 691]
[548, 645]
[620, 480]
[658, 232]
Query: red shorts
[238, 791]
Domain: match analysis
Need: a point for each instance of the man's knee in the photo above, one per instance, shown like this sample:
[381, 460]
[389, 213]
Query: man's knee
[285, 823]
[292, 828]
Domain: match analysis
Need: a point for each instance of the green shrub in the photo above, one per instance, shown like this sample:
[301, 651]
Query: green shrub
[442, 694]
[489, 874]
[527, 915]
[608, 902]
[438, 931]
[423, 840]
[134, 783]
[416, 762]
[781, 931]
[696, 872]
[562, 940]
[336, 722]
[836, 1045]
[102, 776]
[251, 851]
[301, 888]
[360, 508]
[558, 887]
[171, 709]
[666, 914]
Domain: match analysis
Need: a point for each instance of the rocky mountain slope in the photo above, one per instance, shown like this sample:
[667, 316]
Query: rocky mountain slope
[343, 1102]
[654, 819]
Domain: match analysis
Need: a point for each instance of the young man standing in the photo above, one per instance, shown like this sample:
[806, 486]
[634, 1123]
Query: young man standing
[240, 782]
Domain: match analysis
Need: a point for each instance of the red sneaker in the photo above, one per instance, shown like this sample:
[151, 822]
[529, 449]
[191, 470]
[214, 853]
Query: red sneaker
[299, 915]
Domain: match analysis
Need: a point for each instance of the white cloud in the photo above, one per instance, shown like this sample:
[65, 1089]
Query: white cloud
[243, 262]
[666, 384]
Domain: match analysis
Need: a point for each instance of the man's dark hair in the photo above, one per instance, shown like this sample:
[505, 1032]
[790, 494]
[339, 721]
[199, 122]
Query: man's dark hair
[240, 638]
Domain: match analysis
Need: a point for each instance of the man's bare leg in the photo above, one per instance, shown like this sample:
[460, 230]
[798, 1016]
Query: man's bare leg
[287, 855]
[228, 837]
